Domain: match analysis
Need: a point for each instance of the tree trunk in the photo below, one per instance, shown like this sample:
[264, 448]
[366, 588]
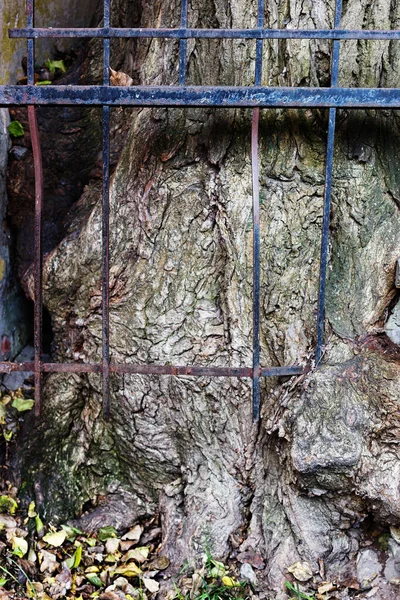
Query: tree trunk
[321, 472]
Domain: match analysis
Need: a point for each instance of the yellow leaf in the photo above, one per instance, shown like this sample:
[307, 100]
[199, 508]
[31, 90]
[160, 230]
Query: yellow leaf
[31, 510]
[92, 569]
[55, 539]
[229, 581]
[129, 570]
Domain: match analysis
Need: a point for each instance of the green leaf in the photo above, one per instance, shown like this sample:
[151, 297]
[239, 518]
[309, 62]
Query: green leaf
[94, 579]
[8, 435]
[15, 129]
[297, 591]
[8, 504]
[91, 542]
[53, 65]
[3, 581]
[75, 560]
[106, 532]
[39, 526]
[44, 82]
[31, 510]
[22, 405]
[71, 532]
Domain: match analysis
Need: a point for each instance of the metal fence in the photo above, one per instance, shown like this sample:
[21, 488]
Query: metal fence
[255, 96]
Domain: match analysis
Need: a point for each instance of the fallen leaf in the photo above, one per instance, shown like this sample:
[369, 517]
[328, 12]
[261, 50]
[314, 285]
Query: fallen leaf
[20, 546]
[106, 532]
[71, 532]
[21, 404]
[55, 539]
[140, 555]
[126, 545]
[229, 582]
[15, 129]
[39, 526]
[94, 579]
[129, 570]
[92, 569]
[327, 587]
[32, 555]
[301, 571]
[53, 65]
[31, 510]
[161, 563]
[151, 585]
[133, 534]
[109, 595]
[7, 522]
[120, 78]
[75, 559]
[48, 561]
[91, 542]
[8, 504]
[112, 545]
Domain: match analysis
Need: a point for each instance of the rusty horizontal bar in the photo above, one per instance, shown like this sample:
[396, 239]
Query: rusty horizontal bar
[135, 369]
[190, 33]
[230, 97]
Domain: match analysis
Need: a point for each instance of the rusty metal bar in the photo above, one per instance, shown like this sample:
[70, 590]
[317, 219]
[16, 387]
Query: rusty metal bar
[256, 264]
[106, 227]
[39, 192]
[190, 33]
[327, 193]
[222, 96]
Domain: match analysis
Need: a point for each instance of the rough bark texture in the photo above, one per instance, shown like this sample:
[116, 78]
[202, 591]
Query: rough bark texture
[324, 462]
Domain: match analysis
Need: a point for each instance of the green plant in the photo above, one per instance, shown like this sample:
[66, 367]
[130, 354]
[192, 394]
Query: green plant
[213, 582]
[30, 584]
[53, 65]
[298, 594]
[15, 129]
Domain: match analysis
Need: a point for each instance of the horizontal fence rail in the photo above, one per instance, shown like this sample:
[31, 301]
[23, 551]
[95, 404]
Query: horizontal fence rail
[256, 97]
[216, 34]
[219, 96]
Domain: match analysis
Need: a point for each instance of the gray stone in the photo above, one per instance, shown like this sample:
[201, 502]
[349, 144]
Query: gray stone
[368, 566]
[19, 152]
[392, 326]
[247, 572]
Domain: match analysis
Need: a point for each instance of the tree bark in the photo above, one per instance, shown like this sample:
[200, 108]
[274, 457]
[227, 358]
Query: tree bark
[323, 465]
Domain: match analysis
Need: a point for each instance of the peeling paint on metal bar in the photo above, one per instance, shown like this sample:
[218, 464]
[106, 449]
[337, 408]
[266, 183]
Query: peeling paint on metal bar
[190, 33]
[222, 96]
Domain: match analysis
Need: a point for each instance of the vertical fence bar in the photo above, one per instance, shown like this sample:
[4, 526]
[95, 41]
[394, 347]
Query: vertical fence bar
[37, 260]
[183, 44]
[327, 192]
[106, 227]
[256, 226]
